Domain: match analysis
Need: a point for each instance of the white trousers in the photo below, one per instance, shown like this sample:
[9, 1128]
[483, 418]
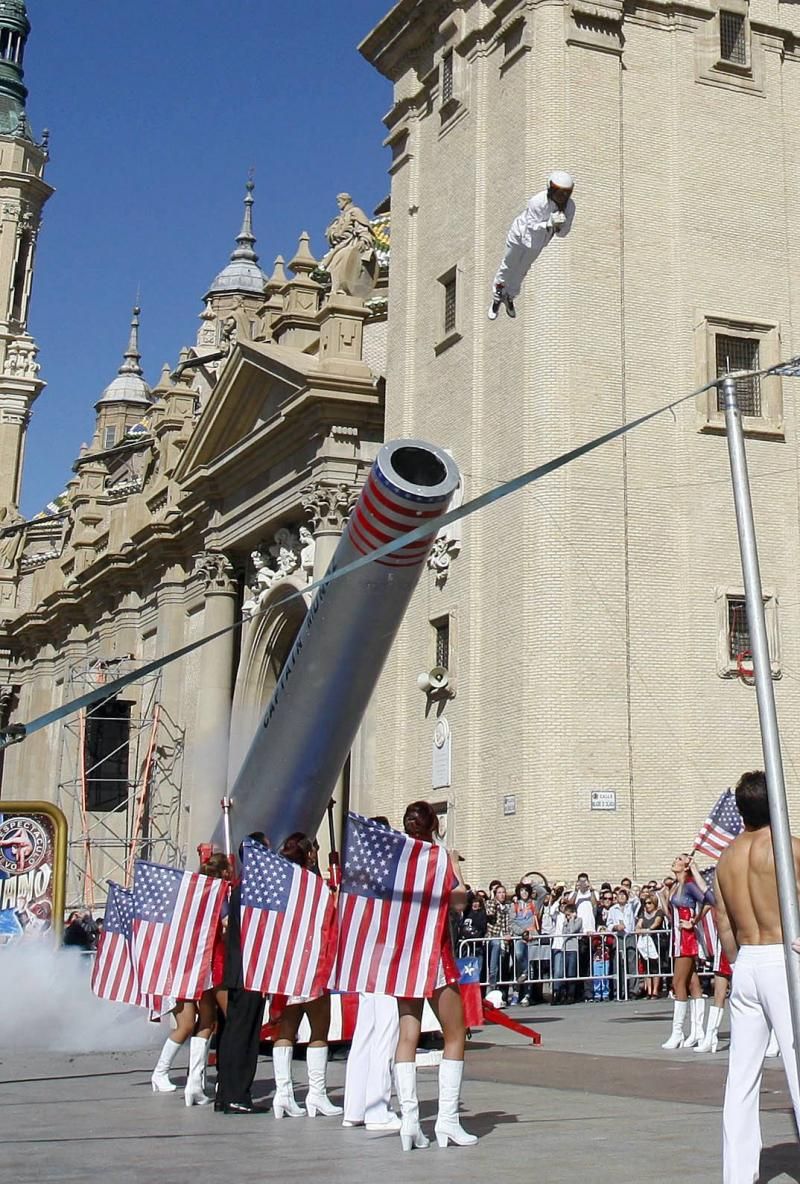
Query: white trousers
[368, 1081]
[759, 999]
[515, 266]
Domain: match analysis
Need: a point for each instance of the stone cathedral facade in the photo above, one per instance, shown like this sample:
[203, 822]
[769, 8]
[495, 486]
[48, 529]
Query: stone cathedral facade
[564, 685]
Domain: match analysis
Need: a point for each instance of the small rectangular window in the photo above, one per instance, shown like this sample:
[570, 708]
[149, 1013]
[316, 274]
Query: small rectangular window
[447, 76]
[739, 353]
[513, 38]
[109, 437]
[449, 286]
[732, 37]
[442, 629]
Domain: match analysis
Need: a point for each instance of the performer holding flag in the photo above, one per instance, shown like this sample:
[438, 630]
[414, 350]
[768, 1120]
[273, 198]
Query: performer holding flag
[175, 919]
[288, 942]
[393, 905]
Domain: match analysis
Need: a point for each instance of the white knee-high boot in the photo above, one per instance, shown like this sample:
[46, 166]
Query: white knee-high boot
[317, 1100]
[160, 1080]
[679, 1009]
[284, 1100]
[194, 1094]
[405, 1084]
[697, 1011]
[448, 1128]
[709, 1041]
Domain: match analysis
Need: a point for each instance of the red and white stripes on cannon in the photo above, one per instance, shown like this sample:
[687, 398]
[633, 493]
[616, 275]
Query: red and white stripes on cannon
[384, 512]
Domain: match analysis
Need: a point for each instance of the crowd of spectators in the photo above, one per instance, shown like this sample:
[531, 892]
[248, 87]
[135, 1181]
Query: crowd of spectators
[573, 942]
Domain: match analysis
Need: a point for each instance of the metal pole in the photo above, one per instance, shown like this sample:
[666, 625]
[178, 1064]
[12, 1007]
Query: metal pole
[226, 814]
[765, 694]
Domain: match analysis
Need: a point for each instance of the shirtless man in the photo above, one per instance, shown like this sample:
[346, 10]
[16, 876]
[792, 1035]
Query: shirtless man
[749, 923]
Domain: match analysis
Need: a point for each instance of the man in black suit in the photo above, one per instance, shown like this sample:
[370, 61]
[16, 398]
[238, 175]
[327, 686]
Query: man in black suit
[237, 1053]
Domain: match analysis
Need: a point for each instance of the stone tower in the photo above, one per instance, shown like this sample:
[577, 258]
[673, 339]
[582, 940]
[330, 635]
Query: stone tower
[23, 192]
[591, 626]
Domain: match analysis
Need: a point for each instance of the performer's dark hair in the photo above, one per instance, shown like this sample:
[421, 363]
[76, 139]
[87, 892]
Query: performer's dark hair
[297, 848]
[420, 821]
[216, 866]
[381, 819]
[752, 799]
[520, 888]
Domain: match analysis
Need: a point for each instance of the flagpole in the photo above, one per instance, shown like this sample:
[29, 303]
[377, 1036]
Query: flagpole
[765, 695]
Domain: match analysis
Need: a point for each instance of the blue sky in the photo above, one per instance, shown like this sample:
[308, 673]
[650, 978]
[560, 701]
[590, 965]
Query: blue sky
[157, 109]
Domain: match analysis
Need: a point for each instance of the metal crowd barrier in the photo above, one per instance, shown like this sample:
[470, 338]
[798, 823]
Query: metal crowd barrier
[572, 967]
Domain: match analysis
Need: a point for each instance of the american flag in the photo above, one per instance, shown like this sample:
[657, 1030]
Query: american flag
[288, 925]
[113, 974]
[392, 910]
[175, 916]
[721, 827]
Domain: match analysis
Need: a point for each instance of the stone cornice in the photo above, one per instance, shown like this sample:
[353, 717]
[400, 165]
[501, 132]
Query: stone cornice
[406, 28]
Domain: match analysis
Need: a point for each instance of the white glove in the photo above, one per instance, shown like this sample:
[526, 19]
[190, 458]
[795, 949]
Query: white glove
[556, 219]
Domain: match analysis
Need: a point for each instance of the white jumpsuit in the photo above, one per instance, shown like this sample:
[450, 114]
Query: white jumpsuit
[527, 238]
[368, 1081]
[759, 998]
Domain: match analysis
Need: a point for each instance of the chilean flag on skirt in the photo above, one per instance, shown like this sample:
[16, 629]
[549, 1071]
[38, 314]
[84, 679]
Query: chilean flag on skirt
[393, 905]
[175, 918]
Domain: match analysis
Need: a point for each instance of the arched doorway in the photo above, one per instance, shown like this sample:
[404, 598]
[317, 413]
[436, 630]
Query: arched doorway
[266, 645]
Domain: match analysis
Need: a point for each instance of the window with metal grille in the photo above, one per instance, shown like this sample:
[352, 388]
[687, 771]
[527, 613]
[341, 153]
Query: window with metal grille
[739, 353]
[442, 642]
[738, 631]
[106, 753]
[447, 76]
[449, 286]
[732, 37]
[109, 437]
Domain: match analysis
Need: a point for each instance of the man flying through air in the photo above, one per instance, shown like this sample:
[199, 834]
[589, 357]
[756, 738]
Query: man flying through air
[548, 214]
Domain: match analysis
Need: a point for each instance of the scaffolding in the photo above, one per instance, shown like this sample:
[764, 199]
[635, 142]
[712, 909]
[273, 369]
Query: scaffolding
[133, 812]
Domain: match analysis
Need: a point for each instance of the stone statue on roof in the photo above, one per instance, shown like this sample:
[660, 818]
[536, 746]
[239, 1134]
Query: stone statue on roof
[10, 544]
[351, 262]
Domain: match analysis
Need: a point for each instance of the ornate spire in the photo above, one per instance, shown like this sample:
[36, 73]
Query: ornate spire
[129, 385]
[242, 274]
[14, 30]
[245, 238]
[132, 362]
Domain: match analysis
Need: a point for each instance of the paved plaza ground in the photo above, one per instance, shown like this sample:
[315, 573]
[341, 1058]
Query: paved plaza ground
[597, 1102]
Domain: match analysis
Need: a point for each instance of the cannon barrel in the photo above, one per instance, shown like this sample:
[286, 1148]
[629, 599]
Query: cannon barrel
[307, 730]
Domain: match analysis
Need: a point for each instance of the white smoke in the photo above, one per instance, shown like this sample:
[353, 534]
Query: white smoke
[48, 1003]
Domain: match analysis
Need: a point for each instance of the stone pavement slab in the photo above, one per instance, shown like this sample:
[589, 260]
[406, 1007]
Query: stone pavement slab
[599, 1102]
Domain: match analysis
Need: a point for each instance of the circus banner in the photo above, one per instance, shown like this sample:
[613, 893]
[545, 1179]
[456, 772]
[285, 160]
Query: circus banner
[33, 845]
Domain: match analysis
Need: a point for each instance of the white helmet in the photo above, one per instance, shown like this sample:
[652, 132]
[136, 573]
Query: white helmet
[561, 180]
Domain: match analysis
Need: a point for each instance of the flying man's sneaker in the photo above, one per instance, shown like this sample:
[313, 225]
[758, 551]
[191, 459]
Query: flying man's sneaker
[494, 308]
[509, 303]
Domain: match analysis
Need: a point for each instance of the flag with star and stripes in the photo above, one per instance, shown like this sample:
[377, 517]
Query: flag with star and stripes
[113, 973]
[288, 921]
[721, 827]
[175, 917]
[393, 905]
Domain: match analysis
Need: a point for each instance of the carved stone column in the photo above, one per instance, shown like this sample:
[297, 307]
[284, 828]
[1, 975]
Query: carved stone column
[6, 703]
[211, 733]
[328, 507]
